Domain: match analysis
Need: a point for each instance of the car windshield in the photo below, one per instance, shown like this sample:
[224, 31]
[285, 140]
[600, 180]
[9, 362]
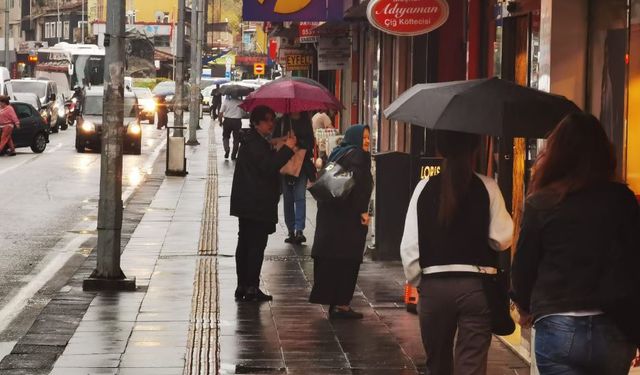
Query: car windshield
[38, 88]
[93, 106]
[142, 92]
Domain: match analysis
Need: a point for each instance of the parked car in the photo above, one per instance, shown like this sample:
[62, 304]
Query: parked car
[33, 131]
[89, 125]
[147, 104]
[168, 90]
[47, 92]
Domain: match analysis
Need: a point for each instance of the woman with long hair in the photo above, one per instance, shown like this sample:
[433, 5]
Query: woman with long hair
[341, 229]
[456, 224]
[573, 272]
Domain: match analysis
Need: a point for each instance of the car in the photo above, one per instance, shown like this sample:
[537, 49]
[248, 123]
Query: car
[47, 92]
[33, 131]
[89, 128]
[147, 104]
[207, 97]
[168, 90]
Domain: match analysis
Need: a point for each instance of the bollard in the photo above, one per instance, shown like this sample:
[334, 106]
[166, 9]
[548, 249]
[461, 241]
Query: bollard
[176, 164]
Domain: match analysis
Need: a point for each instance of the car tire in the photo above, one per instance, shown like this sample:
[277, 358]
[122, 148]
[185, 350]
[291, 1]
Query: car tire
[152, 120]
[136, 150]
[64, 126]
[79, 147]
[55, 129]
[39, 143]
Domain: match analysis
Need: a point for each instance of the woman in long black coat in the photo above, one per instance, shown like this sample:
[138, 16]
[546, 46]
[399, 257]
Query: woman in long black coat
[341, 229]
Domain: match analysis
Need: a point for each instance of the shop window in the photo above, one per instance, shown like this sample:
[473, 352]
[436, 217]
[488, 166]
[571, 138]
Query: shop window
[58, 28]
[161, 41]
[65, 30]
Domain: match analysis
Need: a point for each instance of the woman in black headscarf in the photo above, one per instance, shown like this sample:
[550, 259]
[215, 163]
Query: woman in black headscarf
[341, 229]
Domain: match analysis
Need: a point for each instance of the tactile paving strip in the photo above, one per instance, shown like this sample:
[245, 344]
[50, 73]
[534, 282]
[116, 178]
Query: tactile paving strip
[208, 236]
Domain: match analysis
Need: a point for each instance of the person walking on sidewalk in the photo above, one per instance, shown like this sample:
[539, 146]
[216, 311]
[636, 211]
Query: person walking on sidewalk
[294, 189]
[163, 112]
[255, 193]
[8, 120]
[455, 226]
[341, 230]
[230, 118]
[575, 268]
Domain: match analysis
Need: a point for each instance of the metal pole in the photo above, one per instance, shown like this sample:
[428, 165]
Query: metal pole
[108, 274]
[58, 23]
[7, 55]
[178, 112]
[194, 113]
[83, 24]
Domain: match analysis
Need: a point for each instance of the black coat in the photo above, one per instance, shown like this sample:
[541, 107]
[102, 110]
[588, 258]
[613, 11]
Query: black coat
[339, 232]
[303, 129]
[256, 189]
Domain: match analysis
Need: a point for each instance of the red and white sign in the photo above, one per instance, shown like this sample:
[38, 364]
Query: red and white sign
[258, 69]
[407, 17]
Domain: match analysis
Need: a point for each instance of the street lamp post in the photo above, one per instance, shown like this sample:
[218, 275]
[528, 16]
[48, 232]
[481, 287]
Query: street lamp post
[179, 75]
[108, 275]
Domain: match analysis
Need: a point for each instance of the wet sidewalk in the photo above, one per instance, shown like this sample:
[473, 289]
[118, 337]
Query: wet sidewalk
[183, 319]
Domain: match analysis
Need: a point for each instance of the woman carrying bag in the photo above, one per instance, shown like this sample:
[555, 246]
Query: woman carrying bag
[456, 224]
[341, 229]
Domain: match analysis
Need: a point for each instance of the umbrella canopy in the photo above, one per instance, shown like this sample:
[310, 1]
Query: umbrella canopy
[484, 106]
[234, 90]
[286, 95]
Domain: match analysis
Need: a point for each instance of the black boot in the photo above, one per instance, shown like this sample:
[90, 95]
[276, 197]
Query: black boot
[240, 292]
[226, 154]
[254, 294]
[300, 238]
[291, 238]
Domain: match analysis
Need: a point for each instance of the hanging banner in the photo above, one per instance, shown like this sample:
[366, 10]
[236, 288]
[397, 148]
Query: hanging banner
[333, 53]
[407, 18]
[291, 10]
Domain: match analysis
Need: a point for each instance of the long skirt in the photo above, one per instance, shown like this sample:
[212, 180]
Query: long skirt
[334, 281]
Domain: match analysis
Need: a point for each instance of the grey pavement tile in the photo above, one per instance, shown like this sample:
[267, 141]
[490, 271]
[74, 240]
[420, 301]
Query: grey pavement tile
[83, 371]
[150, 371]
[88, 360]
[175, 358]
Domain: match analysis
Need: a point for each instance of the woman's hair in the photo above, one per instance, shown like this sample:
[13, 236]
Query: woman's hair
[4, 99]
[459, 151]
[578, 154]
[259, 113]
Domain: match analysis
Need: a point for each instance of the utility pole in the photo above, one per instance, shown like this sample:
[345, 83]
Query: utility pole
[83, 24]
[108, 274]
[58, 23]
[178, 112]
[194, 105]
[7, 55]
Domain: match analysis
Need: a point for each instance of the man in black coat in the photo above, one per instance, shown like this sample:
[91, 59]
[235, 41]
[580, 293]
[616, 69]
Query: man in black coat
[254, 199]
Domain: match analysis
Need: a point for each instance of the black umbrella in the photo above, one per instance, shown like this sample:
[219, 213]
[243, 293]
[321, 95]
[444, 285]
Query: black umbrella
[484, 106]
[234, 90]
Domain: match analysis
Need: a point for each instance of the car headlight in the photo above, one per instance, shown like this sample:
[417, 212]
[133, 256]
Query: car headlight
[61, 112]
[149, 105]
[134, 128]
[43, 113]
[74, 100]
[88, 126]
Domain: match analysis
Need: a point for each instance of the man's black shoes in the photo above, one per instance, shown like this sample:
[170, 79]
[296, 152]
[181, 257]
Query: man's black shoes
[253, 294]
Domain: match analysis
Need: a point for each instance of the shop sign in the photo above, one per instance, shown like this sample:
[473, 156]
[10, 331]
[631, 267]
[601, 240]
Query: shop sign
[291, 10]
[298, 62]
[306, 32]
[407, 17]
[333, 53]
[284, 51]
[250, 60]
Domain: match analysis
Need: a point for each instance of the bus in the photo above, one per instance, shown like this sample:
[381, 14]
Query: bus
[71, 65]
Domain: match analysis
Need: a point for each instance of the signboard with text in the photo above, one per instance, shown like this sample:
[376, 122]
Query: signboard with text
[298, 62]
[292, 10]
[333, 53]
[407, 18]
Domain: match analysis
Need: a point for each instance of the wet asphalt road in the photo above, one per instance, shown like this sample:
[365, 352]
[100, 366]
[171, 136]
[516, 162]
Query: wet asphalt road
[48, 208]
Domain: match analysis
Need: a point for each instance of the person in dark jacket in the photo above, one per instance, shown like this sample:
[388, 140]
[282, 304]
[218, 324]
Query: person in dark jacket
[255, 193]
[294, 189]
[456, 224]
[162, 111]
[341, 229]
[574, 272]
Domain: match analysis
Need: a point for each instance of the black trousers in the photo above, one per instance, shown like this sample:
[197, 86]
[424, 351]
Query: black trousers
[334, 281]
[252, 240]
[231, 126]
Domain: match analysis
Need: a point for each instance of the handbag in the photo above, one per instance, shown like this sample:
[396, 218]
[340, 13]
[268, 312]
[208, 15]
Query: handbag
[334, 182]
[495, 288]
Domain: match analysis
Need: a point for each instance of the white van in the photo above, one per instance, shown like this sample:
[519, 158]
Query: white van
[5, 82]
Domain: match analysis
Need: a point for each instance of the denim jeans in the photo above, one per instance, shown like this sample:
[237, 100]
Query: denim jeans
[295, 201]
[581, 345]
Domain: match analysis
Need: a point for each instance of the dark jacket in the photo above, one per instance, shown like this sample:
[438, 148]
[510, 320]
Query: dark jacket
[339, 232]
[256, 189]
[303, 130]
[579, 254]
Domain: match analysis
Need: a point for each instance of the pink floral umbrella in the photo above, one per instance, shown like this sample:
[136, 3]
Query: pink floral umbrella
[287, 95]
